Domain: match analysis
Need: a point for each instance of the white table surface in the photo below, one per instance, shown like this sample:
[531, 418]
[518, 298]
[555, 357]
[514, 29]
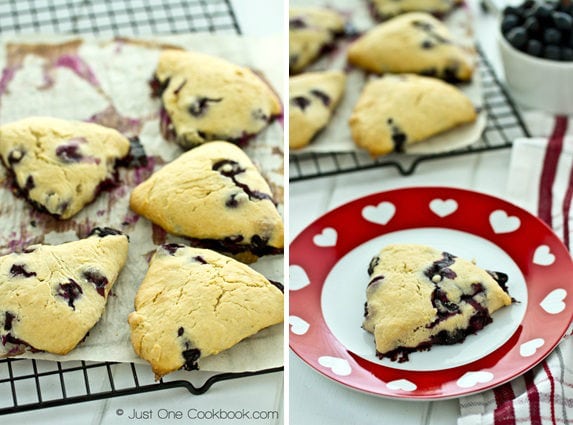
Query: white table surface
[313, 398]
[261, 393]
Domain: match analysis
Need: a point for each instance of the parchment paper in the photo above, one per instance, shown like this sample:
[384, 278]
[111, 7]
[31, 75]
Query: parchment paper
[106, 81]
[336, 136]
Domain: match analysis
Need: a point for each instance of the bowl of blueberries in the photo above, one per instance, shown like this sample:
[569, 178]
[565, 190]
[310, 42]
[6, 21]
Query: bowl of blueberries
[536, 45]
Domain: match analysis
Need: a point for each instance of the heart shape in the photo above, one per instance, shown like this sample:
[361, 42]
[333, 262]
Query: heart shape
[338, 366]
[443, 208]
[471, 379]
[326, 238]
[502, 223]
[401, 384]
[298, 278]
[543, 256]
[530, 347]
[380, 214]
[553, 302]
[298, 326]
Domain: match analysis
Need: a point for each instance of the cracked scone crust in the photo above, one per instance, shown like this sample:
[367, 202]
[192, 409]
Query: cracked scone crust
[195, 303]
[419, 296]
[312, 31]
[207, 98]
[385, 9]
[51, 296]
[59, 166]
[313, 98]
[215, 196]
[394, 111]
[414, 43]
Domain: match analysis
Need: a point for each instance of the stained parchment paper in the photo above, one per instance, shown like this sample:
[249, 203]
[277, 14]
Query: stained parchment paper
[106, 81]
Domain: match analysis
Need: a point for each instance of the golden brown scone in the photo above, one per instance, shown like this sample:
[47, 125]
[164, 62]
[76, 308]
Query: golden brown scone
[313, 98]
[207, 98]
[414, 43]
[216, 196]
[195, 303]
[58, 164]
[51, 296]
[311, 31]
[419, 296]
[397, 110]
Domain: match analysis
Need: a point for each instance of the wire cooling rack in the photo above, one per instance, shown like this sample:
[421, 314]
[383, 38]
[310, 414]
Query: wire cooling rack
[30, 384]
[503, 126]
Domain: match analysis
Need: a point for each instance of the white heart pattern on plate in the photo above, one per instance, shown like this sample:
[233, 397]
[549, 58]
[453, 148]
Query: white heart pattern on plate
[338, 366]
[502, 223]
[326, 238]
[553, 303]
[543, 256]
[298, 278]
[402, 384]
[298, 326]
[443, 208]
[380, 214]
[471, 379]
[529, 348]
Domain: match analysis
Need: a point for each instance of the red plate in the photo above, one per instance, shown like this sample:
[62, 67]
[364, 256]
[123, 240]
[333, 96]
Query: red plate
[334, 247]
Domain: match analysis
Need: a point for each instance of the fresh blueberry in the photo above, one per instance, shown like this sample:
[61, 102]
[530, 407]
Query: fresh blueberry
[513, 10]
[552, 52]
[509, 22]
[567, 54]
[552, 36]
[517, 37]
[534, 48]
[543, 11]
[532, 26]
[562, 21]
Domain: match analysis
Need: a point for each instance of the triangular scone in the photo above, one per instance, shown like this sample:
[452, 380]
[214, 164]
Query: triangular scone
[311, 32]
[414, 43]
[394, 111]
[208, 98]
[59, 165]
[419, 296]
[385, 9]
[195, 303]
[51, 296]
[214, 195]
[313, 98]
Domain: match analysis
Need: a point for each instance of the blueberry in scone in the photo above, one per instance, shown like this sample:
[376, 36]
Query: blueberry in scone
[51, 296]
[195, 303]
[414, 43]
[60, 166]
[394, 111]
[313, 98]
[312, 31]
[215, 196]
[385, 9]
[419, 296]
[207, 98]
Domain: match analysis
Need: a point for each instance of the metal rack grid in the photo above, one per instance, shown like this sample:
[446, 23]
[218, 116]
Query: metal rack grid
[24, 384]
[504, 124]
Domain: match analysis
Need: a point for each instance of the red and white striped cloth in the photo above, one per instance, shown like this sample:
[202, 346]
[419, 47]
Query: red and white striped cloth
[541, 181]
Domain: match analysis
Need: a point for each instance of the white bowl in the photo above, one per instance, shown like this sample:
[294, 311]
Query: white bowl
[537, 83]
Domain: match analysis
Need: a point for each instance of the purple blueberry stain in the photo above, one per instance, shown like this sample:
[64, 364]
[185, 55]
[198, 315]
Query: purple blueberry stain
[8, 319]
[441, 267]
[297, 23]
[279, 285]
[373, 263]
[180, 331]
[300, 102]
[324, 98]
[200, 259]
[178, 89]
[70, 291]
[102, 232]
[15, 156]
[191, 355]
[375, 280]
[172, 248]
[69, 153]
[20, 270]
[96, 278]
[231, 169]
[258, 114]
[201, 105]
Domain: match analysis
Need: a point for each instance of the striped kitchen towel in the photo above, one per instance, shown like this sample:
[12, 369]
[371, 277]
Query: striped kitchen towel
[541, 181]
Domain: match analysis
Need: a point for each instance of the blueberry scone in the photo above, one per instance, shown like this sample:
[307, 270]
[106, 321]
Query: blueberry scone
[58, 165]
[385, 9]
[394, 111]
[312, 31]
[313, 98]
[195, 303]
[414, 43]
[419, 296]
[51, 296]
[215, 196]
[207, 98]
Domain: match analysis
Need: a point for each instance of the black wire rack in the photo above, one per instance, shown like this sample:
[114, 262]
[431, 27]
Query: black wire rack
[34, 384]
[504, 124]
